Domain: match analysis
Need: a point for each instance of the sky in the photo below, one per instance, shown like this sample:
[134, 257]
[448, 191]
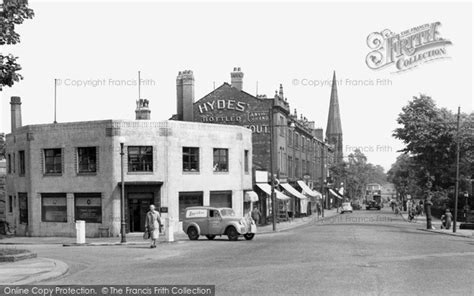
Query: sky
[95, 50]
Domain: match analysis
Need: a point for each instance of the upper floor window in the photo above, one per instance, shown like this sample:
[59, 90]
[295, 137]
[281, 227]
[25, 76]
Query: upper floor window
[190, 159]
[87, 159]
[9, 164]
[53, 161]
[140, 158]
[221, 160]
[246, 161]
[21, 156]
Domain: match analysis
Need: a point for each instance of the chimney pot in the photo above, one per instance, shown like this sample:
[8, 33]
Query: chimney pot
[236, 78]
[15, 103]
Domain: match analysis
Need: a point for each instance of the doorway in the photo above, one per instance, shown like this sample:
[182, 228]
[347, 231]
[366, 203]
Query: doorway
[138, 206]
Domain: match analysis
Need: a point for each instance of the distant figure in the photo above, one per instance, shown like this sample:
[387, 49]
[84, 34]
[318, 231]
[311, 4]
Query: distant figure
[256, 215]
[153, 225]
[446, 220]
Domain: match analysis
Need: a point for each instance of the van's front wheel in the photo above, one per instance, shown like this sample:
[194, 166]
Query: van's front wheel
[232, 233]
[193, 233]
[249, 236]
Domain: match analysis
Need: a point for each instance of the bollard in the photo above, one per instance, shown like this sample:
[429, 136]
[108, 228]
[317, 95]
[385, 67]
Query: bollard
[80, 232]
[169, 230]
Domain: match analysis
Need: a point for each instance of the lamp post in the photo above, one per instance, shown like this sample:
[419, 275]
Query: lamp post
[272, 166]
[122, 195]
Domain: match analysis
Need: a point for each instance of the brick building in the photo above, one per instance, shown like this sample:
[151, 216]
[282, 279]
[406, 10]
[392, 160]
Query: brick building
[62, 172]
[301, 154]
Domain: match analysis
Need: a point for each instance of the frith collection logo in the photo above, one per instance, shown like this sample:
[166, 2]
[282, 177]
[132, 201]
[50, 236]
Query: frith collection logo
[407, 49]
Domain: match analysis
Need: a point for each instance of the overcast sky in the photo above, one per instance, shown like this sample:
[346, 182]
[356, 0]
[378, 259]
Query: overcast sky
[105, 44]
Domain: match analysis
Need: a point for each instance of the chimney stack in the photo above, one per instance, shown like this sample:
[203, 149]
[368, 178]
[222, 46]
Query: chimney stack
[15, 103]
[236, 78]
[185, 95]
[143, 111]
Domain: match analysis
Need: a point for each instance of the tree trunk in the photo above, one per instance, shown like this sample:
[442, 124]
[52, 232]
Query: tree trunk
[427, 205]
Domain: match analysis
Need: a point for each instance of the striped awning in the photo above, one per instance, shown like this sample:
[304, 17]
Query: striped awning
[290, 189]
[335, 194]
[268, 190]
[309, 191]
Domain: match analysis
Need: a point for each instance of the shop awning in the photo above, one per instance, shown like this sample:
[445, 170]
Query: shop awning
[250, 196]
[292, 190]
[335, 194]
[309, 191]
[268, 190]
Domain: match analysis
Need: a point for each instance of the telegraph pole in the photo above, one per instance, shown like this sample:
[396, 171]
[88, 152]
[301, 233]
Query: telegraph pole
[456, 192]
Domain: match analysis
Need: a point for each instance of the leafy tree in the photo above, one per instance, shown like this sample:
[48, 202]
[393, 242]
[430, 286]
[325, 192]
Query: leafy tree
[12, 13]
[356, 173]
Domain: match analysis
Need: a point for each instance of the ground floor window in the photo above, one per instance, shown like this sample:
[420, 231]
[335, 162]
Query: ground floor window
[221, 199]
[53, 207]
[88, 207]
[189, 199]
[23, 206]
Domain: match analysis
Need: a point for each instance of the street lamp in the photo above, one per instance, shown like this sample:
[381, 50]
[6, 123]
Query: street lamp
[122, 193]
[273, 181]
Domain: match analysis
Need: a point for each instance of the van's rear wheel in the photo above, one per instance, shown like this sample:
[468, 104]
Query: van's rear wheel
[232, 233]
[193, 233]
[249, 236]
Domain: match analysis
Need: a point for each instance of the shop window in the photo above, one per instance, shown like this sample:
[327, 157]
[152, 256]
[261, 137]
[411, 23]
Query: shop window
[87, 159]
[53, 161]
[53, 207]
[88, 207]
[190, 159]
[140, 159]
[221, 160]
[189, 199]
[220, 199]
[23, 207]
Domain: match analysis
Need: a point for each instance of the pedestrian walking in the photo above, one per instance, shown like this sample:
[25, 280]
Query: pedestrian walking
[446, 220]
[256, 215]
[153, 225]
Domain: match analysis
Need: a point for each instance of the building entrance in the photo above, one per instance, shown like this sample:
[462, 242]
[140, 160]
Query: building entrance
[138, 206]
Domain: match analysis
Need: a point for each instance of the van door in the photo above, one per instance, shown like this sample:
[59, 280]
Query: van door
[214, 222]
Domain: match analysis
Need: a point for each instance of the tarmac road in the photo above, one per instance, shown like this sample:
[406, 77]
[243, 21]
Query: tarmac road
[363, 253]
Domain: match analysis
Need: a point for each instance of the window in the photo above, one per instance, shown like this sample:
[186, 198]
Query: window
[220, 199]
[9, 163]
[297, 139]
[23, 206]
[188, 199]
[53, 161]
[140, 158]
[87, 159]
[290, 166]
[190, 159]
[88, 207]
[302, 143]
[21, 156]
[246, 161]
[53, 207]
[10, 204]
[282, 124]
[290, 138]
[221, 160]
[297, 169]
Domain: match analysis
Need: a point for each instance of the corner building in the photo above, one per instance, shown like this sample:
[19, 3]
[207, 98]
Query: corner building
[62, 172]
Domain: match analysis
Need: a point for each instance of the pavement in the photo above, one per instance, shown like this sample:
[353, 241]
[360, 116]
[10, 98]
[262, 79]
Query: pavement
[42, 269]
[437, 225]
[360, 253]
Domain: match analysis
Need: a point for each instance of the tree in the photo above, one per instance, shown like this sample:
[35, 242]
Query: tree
[430, 136]
[356, 173]
[12, 13]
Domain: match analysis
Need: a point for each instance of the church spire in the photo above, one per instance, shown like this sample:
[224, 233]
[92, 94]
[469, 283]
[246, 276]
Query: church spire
[334, 128]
